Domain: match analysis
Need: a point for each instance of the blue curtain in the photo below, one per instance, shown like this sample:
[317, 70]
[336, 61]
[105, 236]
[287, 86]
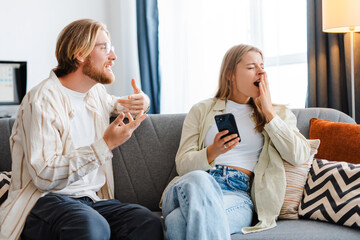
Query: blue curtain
[148, 48]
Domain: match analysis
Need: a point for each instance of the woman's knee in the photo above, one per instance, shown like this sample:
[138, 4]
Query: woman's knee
[175, 220]
[198, 177]
[239, 211]
[191, 181]
[175, 225]
[200, 181]
[193, 185]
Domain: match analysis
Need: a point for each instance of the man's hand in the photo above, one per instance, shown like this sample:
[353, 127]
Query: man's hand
[118, 132]
[136, 102]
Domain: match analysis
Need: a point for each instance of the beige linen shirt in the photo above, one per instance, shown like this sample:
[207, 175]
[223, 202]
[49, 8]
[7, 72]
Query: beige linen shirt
[43, 154]
[282, 141]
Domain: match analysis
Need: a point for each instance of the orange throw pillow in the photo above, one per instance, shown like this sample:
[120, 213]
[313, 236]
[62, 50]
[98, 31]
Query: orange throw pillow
[339, 141]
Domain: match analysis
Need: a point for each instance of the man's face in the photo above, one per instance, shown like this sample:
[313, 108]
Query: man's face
[98, 64]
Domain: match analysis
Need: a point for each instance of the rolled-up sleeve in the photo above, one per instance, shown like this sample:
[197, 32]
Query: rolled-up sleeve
[289, 142]
[189, 156]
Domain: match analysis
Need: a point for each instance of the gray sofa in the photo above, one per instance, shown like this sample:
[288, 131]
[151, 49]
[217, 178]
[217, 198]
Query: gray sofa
[144, 165]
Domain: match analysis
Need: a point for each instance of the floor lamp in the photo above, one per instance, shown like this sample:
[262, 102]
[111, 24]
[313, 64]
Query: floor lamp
[341, 16]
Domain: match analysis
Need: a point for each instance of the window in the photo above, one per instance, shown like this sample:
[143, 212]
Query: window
[194, 36]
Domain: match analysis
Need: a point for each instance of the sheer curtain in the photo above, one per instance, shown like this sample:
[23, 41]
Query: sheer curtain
[194, 36]
[121, 23]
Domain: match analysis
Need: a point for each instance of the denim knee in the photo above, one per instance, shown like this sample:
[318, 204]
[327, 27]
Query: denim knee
[199, 179]
[175, 225]
[193, 185]
[239, 211]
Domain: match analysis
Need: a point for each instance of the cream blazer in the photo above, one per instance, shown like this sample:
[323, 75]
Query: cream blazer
[43, 155]
[282, 141]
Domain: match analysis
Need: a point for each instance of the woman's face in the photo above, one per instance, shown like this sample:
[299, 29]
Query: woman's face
[244, 82]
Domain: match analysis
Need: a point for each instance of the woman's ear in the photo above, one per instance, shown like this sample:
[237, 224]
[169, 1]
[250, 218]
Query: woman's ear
[229, 77]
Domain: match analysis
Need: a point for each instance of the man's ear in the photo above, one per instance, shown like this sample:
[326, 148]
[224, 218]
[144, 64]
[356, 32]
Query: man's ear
[80, 57]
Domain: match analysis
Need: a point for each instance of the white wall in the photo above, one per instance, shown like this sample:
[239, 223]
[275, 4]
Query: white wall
[29, 30]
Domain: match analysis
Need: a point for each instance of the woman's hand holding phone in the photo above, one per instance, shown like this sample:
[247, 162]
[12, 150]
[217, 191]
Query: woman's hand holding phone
[227, 137]
[221, 145]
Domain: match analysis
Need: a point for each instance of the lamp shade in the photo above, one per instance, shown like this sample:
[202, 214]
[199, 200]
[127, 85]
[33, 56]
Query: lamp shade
[341, 15]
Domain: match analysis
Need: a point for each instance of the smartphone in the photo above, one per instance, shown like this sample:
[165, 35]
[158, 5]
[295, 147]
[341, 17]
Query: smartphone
[227, 122]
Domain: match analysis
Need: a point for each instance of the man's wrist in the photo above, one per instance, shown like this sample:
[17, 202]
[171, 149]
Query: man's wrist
[148, 103]
[147, 109]
[108, 144]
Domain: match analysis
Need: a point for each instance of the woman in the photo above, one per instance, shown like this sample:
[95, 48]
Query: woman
[211, 199]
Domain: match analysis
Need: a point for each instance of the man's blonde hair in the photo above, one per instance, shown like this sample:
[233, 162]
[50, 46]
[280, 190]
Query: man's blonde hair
[76, 40]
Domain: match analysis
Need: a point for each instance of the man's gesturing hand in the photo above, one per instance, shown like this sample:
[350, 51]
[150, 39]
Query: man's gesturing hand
[137, 101]
[118, 132]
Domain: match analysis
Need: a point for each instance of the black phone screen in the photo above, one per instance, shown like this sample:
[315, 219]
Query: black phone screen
[227, 122]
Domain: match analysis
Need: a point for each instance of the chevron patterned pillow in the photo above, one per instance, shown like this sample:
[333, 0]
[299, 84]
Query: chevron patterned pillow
[4, 185]
[332, 193]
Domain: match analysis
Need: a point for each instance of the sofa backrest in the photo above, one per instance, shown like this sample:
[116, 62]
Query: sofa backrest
[144, 164]
[304, 115]
[5, 132]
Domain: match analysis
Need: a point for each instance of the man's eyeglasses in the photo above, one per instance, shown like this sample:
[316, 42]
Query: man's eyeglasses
[108, 47]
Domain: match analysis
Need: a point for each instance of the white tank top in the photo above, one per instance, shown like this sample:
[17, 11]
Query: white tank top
[246, 153]
[83, 134]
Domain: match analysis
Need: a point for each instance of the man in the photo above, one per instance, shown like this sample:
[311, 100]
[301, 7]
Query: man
[61, 149]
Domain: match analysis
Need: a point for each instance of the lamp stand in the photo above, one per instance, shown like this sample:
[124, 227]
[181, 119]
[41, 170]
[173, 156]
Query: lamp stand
[352, 75]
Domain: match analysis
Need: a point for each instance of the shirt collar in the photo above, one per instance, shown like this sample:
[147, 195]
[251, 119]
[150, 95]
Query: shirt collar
[220, 105]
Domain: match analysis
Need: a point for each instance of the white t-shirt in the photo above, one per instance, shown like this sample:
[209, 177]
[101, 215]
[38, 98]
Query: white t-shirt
[246, 153]
[83, 134]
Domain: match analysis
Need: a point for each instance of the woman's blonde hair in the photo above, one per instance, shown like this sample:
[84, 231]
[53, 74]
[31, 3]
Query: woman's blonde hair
[76, 40]
[232, 57]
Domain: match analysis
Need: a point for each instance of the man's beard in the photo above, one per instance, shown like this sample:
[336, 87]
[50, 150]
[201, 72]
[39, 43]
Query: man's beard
[99, 76]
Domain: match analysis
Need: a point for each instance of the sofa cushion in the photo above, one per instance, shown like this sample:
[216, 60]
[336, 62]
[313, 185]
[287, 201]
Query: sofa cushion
[332, 193]
[145, 164]
[302, 229]
[295, 180]
[4, 185]
[339, 141]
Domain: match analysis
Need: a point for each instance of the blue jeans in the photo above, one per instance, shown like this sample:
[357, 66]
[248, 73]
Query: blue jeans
[211, 205]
